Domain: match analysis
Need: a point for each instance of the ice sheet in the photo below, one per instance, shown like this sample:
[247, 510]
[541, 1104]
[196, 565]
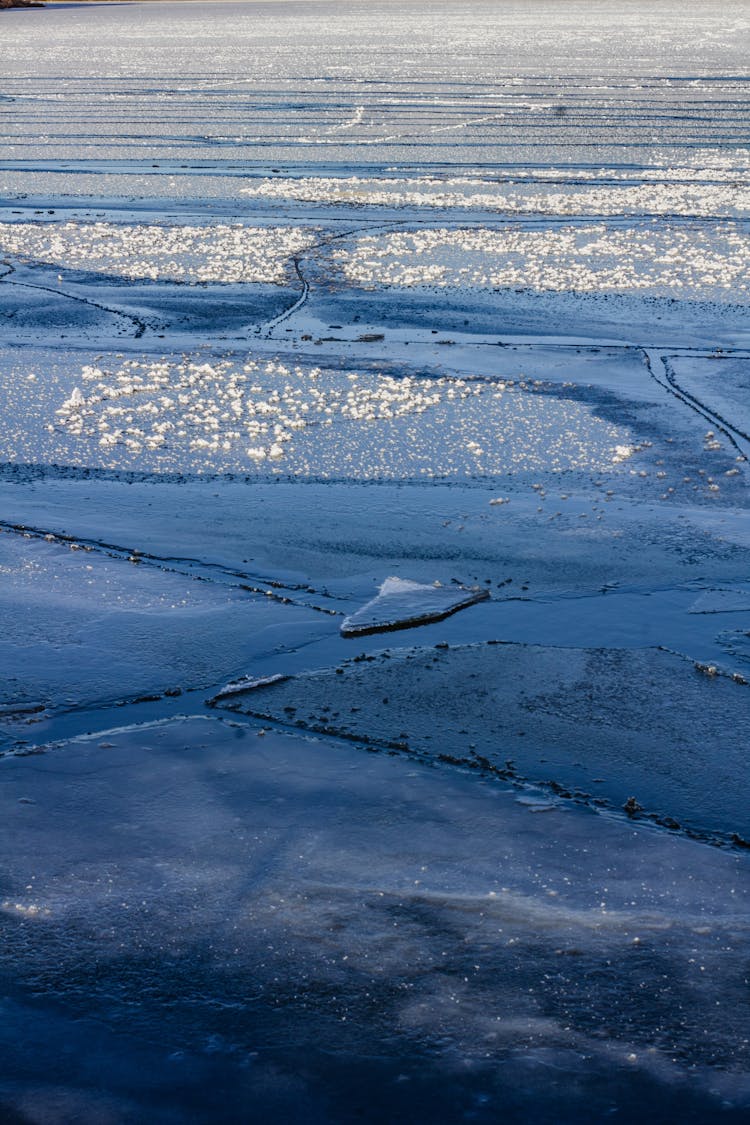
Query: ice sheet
[721, 381]
[294, 297]
[589, 723]
[233, 903]
[81, 628]
[281, 84]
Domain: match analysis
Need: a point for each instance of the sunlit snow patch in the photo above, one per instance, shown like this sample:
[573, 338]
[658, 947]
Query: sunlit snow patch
[677, 191]
[223, 415]
[669, 260]
[216, 252]
[401, 603]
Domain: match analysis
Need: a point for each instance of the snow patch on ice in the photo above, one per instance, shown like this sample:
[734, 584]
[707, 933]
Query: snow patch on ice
[217, 252]
[665, 260]
[670, 196]
[228, 415]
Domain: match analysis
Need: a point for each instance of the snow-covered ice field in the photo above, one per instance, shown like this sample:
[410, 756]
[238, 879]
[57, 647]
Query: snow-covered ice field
[374, 562]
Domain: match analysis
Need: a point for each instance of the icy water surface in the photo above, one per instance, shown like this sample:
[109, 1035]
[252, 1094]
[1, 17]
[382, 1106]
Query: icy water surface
[374, 562]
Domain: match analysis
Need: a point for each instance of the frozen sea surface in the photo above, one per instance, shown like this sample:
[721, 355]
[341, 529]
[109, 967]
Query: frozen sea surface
[264, 927]
[449, 85]
[314, 313]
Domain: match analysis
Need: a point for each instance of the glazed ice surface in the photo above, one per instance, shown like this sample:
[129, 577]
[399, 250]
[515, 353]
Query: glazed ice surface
[320, 319]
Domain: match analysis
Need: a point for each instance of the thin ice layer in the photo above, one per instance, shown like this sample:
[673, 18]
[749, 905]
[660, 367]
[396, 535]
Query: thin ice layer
[596, 723]
[268, 916]
[402, 603]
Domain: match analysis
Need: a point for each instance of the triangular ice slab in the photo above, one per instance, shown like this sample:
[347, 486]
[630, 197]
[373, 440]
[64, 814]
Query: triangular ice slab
[402, 603]
[245, 683]
[722, 601]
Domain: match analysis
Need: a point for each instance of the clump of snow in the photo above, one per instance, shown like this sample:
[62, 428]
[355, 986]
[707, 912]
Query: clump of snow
[622, 453]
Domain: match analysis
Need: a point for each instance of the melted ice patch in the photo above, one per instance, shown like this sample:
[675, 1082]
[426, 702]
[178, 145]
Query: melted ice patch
[402, 603]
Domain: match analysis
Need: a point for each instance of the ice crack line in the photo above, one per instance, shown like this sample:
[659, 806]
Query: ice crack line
[140, 325]
[506, 774]
[659, 369]
[270, 325]
[188, 568]
[670, 374]
[268, 328]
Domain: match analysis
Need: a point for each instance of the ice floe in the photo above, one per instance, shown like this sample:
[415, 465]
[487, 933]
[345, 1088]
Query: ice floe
[588, 724]
[401, 603]
[722, 601]
[81, 626]
[246, 683]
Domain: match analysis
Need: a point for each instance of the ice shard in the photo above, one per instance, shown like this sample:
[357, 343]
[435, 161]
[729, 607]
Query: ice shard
[401, 603]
